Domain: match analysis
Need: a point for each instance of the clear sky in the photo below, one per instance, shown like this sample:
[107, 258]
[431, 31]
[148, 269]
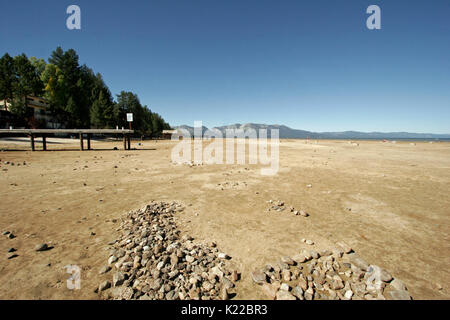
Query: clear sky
[310, 65]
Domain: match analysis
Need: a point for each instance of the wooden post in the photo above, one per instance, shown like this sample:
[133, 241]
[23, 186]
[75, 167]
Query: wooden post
[89, 141]
[44, 142]
[81, 142]
[124, 141]
[129, 142]
[32, 142]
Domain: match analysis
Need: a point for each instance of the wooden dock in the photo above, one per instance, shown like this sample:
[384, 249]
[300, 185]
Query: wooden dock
[32, 133]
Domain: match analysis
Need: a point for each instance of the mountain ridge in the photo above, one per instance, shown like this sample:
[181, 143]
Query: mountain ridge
[286, 132]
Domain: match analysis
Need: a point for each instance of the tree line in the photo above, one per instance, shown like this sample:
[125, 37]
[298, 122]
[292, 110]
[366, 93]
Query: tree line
[77, 97]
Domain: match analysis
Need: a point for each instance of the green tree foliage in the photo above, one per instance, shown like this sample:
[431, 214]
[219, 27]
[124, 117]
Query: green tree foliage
[7, 78]
[145, 122]
[25, 82]
[77, 96]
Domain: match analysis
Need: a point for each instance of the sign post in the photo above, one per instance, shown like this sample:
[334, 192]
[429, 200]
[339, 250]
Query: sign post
[130, 119]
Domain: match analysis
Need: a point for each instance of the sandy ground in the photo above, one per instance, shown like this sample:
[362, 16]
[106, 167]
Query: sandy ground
[398, 196]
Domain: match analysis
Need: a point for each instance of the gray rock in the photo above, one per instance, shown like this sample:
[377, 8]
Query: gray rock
[298, 292]
[287, 260]
[398, 285]
[104, 269]
[41, 247]
[309, 294]
[314, 254]
[224, 294]
[259, 277]
[284, 295]
[348, 294]
[112, 259]
[270, 290]
[358, 261]
[400, 295]
[118, 279]
[104, 285]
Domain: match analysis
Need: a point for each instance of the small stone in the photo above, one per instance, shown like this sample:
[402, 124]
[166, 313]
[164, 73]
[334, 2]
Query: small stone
[309, 294]
[309, 242]
[41, 247]
[222, 255]
[284, 286]
[259, 277]
[12, 256]
[224, 294]
[104, 285]
[112, 259]
[287, 260]
[298, 292]
[302, 283]
[437, 286]
[348, 294]
[358, 261]
[284, 295]
[314, 254]
[269, 290]
[118, 279]
[207, 286]
[286, 275]
[398, 285]
[104, 269]
[299, 258]
[11, 250]
[11, 236]
[400, 295]
[346, 248]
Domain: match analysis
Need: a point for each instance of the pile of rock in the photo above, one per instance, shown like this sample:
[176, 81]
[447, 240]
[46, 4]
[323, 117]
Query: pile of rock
[152, 261]
[338, 274]
[279, 206]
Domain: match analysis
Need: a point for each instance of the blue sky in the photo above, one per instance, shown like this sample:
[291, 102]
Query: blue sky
[310, 65]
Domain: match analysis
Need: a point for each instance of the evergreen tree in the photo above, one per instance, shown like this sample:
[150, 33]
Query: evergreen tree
[7, 78]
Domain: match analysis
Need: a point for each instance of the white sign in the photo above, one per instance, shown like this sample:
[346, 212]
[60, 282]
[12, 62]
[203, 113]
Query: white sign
[129, 117]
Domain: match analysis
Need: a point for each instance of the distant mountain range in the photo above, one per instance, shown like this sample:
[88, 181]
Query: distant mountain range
[289, 133]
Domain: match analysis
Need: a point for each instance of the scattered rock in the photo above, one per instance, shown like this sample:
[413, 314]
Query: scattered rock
[118, 279]
[259, 277]
[284, 295]
[104, 285]
[327, 275]
[104, 269]
[400, 295]
[358, 261]
[151, 260]
[269, 290]
[41, 247]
